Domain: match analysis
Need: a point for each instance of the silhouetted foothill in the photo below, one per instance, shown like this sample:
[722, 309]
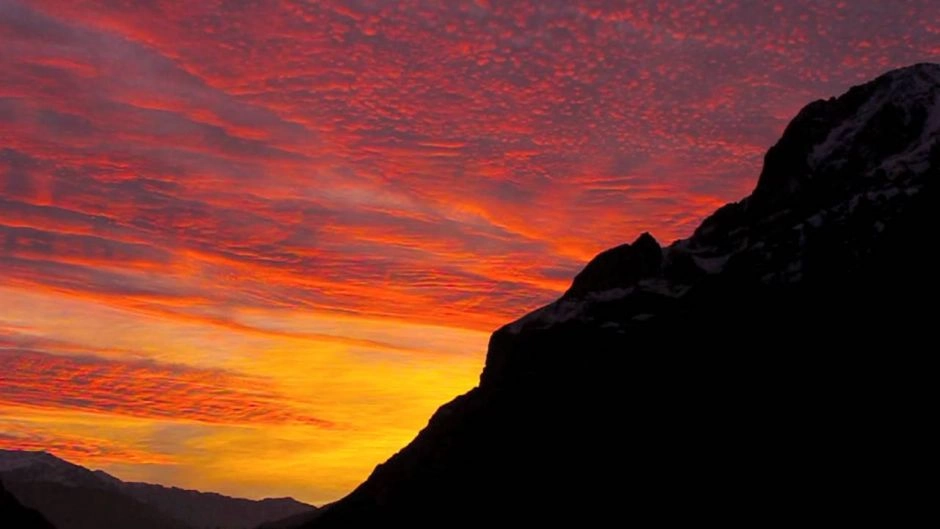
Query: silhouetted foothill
[15, 516]
[770, 368]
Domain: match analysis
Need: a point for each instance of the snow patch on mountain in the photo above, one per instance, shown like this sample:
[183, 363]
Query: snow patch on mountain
[909, 90]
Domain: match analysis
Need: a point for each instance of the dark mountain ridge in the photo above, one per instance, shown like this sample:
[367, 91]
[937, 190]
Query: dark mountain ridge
[73, 497]
[770, 368]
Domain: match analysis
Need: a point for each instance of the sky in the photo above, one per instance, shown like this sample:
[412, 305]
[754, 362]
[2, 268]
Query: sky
[250, 246]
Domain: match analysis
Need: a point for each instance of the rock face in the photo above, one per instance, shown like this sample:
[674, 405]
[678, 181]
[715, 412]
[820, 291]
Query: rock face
[772, 367]
[74, 497]
[620, 267]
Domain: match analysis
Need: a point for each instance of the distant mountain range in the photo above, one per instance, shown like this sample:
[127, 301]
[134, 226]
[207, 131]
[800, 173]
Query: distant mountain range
[771, 369]
[74, 497]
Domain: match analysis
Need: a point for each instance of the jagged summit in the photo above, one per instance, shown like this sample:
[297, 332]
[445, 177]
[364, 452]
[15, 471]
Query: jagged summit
[620, 267]
[883, 129]
[767, 369]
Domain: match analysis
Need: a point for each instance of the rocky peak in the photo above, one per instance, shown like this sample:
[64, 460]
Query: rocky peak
[884, 129]
[619, 267]
[856, 160]
[845, 167]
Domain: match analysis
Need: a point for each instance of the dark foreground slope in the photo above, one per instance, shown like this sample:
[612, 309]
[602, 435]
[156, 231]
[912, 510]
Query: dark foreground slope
[13, 514]
[770, 367]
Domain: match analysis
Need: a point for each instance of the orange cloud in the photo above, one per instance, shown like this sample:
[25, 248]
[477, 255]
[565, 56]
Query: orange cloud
[89, 450]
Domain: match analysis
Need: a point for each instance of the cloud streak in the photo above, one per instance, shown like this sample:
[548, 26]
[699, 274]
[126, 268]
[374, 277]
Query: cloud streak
[97, 450]
[142, 390]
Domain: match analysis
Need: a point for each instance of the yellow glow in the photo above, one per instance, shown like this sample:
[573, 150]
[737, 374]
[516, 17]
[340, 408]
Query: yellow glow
[373, 393]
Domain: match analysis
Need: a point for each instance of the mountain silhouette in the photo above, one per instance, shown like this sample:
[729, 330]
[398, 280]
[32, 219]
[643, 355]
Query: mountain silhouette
[770, 368]
[73, 497]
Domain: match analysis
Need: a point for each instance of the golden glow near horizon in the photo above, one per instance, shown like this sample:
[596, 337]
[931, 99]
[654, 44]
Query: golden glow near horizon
[281, 406]
[252, 247]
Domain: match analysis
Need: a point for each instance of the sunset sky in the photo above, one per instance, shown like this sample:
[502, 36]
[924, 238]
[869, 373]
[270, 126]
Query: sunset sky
[251, 246]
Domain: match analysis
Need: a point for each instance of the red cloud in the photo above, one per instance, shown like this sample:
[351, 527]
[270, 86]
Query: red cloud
[138, 389]
[398, 159]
